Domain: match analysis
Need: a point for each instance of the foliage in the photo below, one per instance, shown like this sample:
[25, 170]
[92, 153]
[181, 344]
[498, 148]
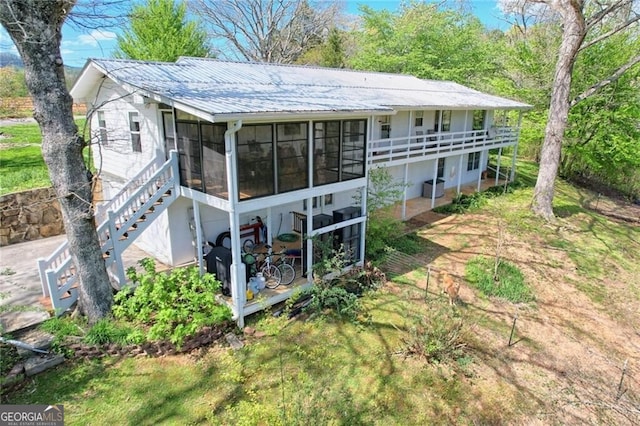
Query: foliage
[426, 40]
[509, 285]
[601, 142]
[382, 227]
[173, 305]
[338, 291]
[159, 31]
[436, 337]
[108, 331]
[463, 203]
[12, 83]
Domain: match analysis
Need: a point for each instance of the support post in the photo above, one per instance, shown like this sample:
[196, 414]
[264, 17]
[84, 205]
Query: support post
[515, 149]
[459, 174]
[498, 166]
[435, 183]
[199, 244]
[404, 192]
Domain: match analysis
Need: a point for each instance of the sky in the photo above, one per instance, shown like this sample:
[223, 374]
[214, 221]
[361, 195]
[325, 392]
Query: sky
[77, 46]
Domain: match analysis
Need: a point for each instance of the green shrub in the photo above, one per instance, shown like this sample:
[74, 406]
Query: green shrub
[462, 203]
[108, 331]
[508, 283]
[437, 337]
[340, 293]
[172, 305]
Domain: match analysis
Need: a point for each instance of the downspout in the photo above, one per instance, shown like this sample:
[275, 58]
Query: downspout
[238, 277]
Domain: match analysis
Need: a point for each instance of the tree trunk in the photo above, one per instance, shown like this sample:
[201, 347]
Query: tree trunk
[574, 31]
[35, 28]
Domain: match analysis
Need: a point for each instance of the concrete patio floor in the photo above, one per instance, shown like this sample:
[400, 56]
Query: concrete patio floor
[22, 304]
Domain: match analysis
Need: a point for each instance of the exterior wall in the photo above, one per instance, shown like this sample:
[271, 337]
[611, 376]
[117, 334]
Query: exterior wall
[29, 215]
[117, 158]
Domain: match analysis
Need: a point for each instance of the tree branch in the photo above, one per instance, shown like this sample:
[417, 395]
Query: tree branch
[615, 76]
[621, 27]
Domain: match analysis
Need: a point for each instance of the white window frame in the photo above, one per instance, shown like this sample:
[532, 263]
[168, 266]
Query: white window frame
[134, 129]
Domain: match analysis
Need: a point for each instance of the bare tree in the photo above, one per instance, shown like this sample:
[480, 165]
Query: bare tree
[267, 30]
[35, 28]
[578, 18]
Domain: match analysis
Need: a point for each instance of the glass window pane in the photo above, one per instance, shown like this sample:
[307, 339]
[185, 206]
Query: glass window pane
[353, 149]
[326, 152]
[189, 149]
[255, 161]
[213, 159]
[292, 156]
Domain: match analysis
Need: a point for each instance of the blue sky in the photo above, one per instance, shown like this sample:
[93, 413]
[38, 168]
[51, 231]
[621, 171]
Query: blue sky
[78, 46]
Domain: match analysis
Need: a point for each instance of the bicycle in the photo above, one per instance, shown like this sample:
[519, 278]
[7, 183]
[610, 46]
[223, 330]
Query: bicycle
[286, 264]
[270, 272]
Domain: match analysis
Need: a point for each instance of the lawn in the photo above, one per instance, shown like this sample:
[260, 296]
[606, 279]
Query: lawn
[21, 164]
[564, 364]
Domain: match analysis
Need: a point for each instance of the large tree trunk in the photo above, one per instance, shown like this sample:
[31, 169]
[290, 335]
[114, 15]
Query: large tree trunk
[574, 31]
[35, 27]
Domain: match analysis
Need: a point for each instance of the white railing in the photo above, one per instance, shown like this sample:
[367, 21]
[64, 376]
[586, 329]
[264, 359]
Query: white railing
[400, 149]
[144, 203]
[125, 193]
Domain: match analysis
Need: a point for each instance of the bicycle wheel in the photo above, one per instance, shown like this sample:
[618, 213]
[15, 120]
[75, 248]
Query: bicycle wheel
[272, 276]
[248, 245]
[287, 272]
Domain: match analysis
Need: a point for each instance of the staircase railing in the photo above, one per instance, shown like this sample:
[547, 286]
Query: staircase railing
[130, 215]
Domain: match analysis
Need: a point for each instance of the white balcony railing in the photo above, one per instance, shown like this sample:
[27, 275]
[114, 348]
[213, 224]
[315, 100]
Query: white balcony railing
[435, 145]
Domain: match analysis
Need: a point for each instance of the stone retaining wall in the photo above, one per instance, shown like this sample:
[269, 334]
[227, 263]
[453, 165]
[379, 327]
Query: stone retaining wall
[29, 215]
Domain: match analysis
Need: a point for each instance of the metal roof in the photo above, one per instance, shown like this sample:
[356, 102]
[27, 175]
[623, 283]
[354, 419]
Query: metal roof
[224, 87]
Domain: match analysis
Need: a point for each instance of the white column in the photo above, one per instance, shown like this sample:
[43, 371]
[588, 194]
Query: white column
[198, 225]
[238, 278]
[482, 160]
[404, 192]
[433, 187]
[363, 226]
[309, 242]
[515, 148]
[459, 174]
[498, 166]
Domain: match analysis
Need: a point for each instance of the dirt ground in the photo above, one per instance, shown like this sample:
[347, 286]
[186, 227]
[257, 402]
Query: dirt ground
[578, 360]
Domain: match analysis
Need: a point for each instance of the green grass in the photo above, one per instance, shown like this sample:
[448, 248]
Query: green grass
[22, 166]
[509, 285]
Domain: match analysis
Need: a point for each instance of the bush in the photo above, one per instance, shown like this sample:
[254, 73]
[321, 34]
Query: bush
[436, 338]
[340, 293]
[173, 306]
[107, 331]
[508, 283]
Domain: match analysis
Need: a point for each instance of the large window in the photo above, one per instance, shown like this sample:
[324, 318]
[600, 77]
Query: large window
[473, 161]
[353, 149]
[339, 150]
[255, 161]
[293, 161]
[214, 166]
[442, 121]
[134, 128]
[190, 155]
[478, 119]
[326, 152]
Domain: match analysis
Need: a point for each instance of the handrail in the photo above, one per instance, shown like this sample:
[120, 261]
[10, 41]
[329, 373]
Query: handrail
[56, 271]
[124, 194]
[433, 144]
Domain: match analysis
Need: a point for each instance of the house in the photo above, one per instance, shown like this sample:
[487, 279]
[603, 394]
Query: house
[199, 149]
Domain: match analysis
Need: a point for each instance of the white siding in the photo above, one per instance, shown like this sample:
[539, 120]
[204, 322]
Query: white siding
[117, 156]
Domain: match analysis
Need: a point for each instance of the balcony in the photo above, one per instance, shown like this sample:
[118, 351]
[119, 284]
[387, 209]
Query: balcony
[401, 150]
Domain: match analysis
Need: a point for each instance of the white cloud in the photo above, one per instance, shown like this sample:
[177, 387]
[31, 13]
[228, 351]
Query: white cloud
[96, 36]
